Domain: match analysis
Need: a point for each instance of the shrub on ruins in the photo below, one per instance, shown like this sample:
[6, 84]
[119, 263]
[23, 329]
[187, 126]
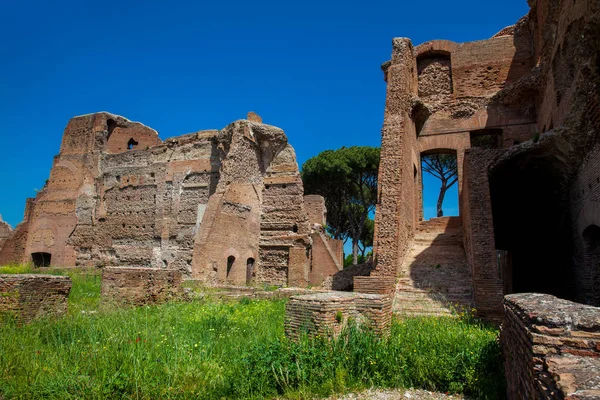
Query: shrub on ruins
[347, 179]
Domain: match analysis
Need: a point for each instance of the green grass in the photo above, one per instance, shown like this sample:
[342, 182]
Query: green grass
[212, 349]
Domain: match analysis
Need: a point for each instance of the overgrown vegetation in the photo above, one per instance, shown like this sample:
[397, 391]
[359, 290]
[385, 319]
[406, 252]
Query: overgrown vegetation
[212, 349]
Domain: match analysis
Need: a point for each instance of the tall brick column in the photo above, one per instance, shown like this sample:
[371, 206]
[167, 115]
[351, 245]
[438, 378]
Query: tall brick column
[395, 211]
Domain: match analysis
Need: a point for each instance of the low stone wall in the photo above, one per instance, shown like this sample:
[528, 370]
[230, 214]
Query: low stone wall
[374, 284]
[139, 286]
[551, 348]
[31, 296]
[327, 314]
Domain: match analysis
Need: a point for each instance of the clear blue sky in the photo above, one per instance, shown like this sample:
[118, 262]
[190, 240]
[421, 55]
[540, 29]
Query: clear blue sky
[311, 68]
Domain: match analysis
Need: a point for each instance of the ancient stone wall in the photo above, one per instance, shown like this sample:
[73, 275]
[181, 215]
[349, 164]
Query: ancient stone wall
[140, 286]
[223, 206]
[315, 208]
[28, 297]
[551, 348]
[327, 314]
[530, 97]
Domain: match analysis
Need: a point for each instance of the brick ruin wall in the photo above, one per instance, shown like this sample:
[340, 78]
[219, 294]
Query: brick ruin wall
[30, 296]
[221, 206]
[140, 286]
[551, 348]
[538, 78]
[5, 231]
[327, 314]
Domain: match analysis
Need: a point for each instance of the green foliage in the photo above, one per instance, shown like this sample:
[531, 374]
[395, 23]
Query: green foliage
[361, 259]
[211, 349]
[347, 179]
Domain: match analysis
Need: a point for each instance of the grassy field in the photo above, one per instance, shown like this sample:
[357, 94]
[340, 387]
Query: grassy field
[213, 349]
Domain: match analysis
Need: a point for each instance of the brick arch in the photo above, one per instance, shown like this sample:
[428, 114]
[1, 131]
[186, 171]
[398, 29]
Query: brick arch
[588, 216]
[433, 47]
[458, 142]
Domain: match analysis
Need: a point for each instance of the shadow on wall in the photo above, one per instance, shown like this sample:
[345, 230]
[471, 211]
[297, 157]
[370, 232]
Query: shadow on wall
[532, 222]
[436, 266]
[344, 280]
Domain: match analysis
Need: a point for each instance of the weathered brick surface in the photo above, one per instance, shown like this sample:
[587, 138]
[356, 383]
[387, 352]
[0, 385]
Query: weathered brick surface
[326, 314]
[5, 231]
[551, 348]
[535, 80]
[28, 297]
[224, 206]
[140, 286]
[374, 284]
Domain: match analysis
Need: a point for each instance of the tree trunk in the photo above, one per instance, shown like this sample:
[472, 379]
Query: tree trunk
[440, 211]
[354, 251]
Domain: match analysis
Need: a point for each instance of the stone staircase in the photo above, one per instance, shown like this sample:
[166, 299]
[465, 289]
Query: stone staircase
[434, 278]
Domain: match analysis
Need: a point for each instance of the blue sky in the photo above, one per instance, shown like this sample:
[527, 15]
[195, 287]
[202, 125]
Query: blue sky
[311, 68]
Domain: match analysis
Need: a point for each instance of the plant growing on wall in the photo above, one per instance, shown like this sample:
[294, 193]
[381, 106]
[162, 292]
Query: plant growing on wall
[443, 167]
[347, 179]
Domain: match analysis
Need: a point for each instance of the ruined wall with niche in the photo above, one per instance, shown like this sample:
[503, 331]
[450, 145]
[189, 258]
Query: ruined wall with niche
[222, 206]
[440, 95]
[538, 79]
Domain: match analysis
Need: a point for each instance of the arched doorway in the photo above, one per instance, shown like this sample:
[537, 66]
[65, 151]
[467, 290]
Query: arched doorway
[249, 270]
[41, 259]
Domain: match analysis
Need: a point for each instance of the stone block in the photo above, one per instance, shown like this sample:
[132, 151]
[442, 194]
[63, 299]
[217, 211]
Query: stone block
[327, 314]
[30, 296]
[140, 286]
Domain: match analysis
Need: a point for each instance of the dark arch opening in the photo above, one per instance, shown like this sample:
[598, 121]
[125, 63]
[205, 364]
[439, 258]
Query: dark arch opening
[249, 270]
[295, 228]
[591, 261]
[532, 225]
[41, 259]
[131, 144]
[111, 125]
[230, 261]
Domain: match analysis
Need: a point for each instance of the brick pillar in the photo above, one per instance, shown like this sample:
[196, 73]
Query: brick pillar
[394, 220]
[479, 229]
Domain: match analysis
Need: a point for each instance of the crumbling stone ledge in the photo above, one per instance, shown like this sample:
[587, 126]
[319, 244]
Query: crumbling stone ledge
[551, 348]
[31, 296]
[327, 314]
[140, 286]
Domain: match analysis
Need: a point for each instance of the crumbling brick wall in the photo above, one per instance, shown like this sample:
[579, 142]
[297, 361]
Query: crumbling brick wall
[28, 297]
[327, 314]
[551, 348]
[224, 206]
[140, 286]
[5, 231]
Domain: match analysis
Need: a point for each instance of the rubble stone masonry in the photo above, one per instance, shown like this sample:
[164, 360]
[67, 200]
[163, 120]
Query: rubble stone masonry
[30, 296]
[223, 206]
